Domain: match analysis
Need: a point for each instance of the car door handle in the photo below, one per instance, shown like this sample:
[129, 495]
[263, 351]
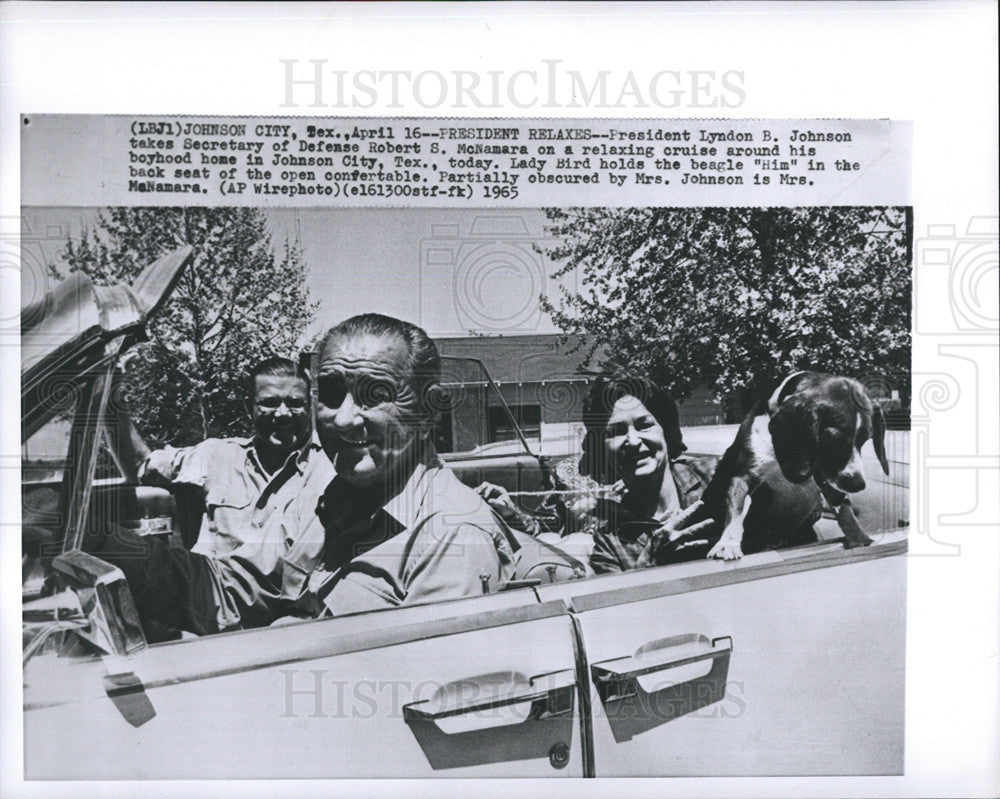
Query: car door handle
[620, 678]
[550, 694]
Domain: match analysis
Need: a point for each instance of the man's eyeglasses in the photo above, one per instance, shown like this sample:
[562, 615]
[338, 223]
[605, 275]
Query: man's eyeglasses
[294, 404]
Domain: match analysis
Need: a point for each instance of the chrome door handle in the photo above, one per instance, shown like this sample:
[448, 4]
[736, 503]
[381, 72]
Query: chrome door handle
[619, 678]
[549, 694]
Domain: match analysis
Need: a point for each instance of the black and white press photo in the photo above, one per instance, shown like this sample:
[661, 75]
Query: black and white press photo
[464, 448]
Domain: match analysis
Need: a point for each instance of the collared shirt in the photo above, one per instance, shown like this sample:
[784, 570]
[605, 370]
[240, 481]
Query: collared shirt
[622, 541]
[253, 522]
[781, 514]
[436, 539]
[243, 503]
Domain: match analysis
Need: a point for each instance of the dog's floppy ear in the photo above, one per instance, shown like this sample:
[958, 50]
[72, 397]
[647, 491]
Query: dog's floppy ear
[878, 435]
[672, 428]
[785, 390]
[794, 432]
[866, 405]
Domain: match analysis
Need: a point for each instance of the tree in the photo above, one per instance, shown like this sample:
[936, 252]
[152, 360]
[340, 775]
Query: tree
[236, 303]
[737, 297]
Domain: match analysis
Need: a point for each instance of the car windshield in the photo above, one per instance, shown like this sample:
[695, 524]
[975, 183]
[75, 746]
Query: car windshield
[43, 454]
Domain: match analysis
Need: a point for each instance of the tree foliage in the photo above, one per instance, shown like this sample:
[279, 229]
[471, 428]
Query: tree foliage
[236, 303]
[737, 297]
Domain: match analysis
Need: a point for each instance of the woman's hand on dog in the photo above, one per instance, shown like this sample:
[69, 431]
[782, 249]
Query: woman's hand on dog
[677, 535]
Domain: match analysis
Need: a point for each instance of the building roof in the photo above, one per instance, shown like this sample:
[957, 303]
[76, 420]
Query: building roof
[530, 358]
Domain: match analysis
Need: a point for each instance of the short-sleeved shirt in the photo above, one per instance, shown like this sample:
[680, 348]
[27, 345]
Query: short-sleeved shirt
[259, 535]
[437, 539]
[244, 504]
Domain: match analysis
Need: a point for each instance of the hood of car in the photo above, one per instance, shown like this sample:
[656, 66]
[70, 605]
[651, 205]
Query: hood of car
[78, 327]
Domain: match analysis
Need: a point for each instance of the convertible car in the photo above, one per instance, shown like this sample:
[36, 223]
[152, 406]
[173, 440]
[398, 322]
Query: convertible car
[787, 662]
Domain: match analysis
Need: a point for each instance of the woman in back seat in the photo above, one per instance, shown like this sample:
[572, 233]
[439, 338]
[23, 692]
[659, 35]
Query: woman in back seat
[634, 441]
[634, 498]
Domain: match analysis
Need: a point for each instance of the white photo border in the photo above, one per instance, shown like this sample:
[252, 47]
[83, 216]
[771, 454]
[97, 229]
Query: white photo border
[932, 63]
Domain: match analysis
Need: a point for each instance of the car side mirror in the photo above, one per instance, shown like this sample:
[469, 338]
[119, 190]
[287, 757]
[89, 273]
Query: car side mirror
[42, 617]
[105, 599]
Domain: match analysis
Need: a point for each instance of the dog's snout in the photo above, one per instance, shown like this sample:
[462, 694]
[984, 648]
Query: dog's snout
[851, 482]
[796, 473]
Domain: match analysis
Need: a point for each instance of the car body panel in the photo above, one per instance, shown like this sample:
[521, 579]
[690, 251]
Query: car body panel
[815, 681]
[317, 699]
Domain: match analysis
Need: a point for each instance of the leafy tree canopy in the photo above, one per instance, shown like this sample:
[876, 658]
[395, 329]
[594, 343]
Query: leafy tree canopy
[236, 303]
[737, 297]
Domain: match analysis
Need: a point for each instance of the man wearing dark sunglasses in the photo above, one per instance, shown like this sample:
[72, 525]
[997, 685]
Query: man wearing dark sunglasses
[401, 529]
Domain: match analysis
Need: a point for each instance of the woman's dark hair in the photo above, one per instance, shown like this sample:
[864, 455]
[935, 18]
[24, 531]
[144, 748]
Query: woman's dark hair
[600, 401]
[425, 362]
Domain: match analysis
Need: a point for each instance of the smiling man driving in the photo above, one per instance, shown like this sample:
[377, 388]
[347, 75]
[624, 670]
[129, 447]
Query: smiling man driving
[393, 527]
[403, 526]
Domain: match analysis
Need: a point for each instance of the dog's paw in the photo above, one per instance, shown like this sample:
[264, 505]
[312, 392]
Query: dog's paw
[726, 550]
[858, 540]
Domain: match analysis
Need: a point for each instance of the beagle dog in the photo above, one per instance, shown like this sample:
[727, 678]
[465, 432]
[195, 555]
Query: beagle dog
[806, 445]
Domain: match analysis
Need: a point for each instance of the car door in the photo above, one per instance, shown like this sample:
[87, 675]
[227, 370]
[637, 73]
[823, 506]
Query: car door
[482, 686]
[478, 687]
[787, 662]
